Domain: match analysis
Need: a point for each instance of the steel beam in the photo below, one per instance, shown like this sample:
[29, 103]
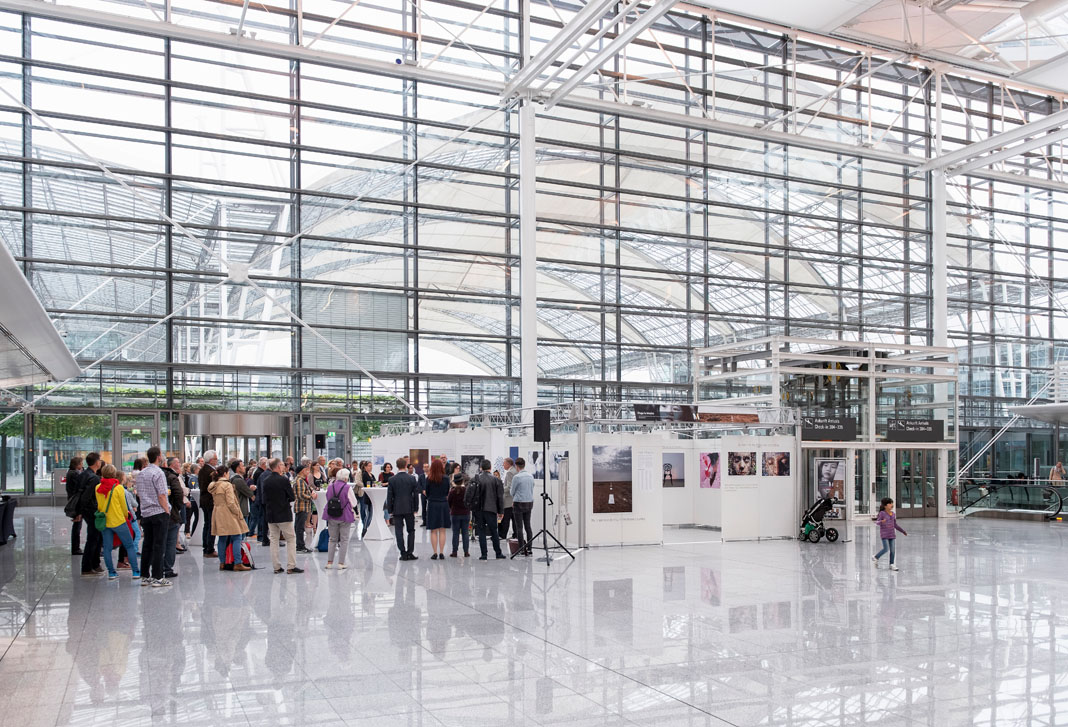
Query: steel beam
[1058, 118]
[658, 10]
[1012, 151]
[528, 230]
[572, 30]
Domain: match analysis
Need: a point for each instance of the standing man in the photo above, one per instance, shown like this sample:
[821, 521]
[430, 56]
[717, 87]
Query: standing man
[420, 483]
[259, 516]
[402, 500]
[492, 502]
[305, 495]
[176, 497]
[94, 539]
[242, 489]
[523, 503]
[155, 514]
[207, 503]
[277, 494]
[289, 463]
[73, 483]
[509, 517]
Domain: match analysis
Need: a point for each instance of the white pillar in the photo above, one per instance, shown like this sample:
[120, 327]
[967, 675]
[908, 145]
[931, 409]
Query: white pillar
[528, 261]
[939, 289]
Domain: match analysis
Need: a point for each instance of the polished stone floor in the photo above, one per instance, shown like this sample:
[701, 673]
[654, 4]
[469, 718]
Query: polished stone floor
[972, 630]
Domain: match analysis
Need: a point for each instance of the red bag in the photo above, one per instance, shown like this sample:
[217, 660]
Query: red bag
[246, 554]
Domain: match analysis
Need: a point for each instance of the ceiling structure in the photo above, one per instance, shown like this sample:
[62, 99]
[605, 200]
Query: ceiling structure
[1023, 40]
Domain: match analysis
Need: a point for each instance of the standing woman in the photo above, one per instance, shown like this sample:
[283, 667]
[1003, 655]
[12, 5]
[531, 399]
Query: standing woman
[134, 508]
[111, 501]
[368, 480]
[1057, 473]
[437, 508]
[227, 522]
[340, 526]
[460, 515]
[192, 515]
[386, 473]
[318, 481]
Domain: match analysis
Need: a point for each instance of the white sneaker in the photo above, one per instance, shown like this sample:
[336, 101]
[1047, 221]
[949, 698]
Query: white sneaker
[875, 561]
[329, 566]
[146, 581]
[893, 567]
[341, 566]
[161, 583]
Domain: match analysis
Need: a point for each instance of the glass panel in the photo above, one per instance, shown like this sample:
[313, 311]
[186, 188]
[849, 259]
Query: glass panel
[59, 437]
[134, 443]
[12, 454]
[882, 476]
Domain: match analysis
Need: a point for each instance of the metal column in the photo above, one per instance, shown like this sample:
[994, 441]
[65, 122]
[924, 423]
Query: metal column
[528, 261]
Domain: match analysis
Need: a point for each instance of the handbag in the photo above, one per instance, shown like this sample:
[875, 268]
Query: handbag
[101, 518]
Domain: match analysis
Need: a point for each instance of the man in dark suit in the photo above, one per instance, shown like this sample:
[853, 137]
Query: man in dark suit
[277, 494]
[402, 501]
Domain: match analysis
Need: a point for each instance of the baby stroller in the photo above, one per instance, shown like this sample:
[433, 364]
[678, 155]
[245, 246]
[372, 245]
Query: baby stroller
[812, 528]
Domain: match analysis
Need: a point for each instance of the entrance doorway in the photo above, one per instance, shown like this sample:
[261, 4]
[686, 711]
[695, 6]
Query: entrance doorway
[917, 483]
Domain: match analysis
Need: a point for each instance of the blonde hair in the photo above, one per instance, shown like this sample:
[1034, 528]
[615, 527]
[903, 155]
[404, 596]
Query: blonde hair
[108, 472]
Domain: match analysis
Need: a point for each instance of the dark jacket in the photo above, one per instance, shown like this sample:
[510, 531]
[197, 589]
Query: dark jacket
[175, 493]
[492, 492]
[402, 496]
[277, 496]
[74, 482]
[89, 481]
[243, 491]
[203, 480]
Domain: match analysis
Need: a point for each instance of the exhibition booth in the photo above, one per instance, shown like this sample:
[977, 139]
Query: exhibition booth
[618, 473]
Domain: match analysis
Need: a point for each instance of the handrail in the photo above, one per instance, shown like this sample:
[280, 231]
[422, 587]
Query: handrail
[1049, 489]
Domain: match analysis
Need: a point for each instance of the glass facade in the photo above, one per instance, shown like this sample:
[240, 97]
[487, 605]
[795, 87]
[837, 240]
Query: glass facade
[149, 160]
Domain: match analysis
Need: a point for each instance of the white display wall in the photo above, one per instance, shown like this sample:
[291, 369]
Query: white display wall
[612, 485]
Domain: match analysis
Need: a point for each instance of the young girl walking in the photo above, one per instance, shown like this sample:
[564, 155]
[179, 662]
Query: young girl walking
[887, 522]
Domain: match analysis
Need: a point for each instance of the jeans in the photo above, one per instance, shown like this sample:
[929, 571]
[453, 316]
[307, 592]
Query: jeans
[254, 520]
[209, 539]
[93, 542]
[75, 536]
[888, 544]
[486, 521]
[340, 532]
[276, 530]
[300, 521]
[522, 520]
[235, 542]
[399, 523]
[155, 527]
[365, 511]
[170, 551]
[123, 533]
[507, 519]
[459, 527]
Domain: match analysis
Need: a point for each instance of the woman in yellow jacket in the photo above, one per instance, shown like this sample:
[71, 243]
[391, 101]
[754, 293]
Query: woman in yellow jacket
[111, 500]
[227, 522]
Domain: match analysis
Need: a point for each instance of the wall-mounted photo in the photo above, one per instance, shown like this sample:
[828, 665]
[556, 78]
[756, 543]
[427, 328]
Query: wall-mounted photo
[741, 464]
[674, 469]
[776, 464]
[612, 480]
[710, 470]
[830, 478]
[471, 464]
[420, 459]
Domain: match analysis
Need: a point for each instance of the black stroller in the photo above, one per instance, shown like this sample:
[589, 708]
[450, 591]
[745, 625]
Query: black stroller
[812, 528]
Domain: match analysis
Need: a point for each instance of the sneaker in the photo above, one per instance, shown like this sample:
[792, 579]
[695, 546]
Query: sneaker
[136, 576]
[146, 581]
[341, 566]
[113, 577]
[294, 570]
[875, 561]
[329, 566]
[161, 583]
[893, 567]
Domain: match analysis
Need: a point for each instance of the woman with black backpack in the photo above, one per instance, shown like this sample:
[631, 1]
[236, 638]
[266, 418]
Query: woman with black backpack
[340, 515]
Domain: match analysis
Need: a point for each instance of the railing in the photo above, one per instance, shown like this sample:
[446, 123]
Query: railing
[1043, 497]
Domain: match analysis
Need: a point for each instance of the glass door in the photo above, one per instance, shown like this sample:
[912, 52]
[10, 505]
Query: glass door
[335, 433]
[133, 443]
[906, 479]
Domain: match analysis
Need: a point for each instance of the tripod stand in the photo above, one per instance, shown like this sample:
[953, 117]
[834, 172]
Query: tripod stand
[545, 502]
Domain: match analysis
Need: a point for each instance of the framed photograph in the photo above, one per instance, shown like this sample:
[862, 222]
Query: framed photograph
[613, 488]
[742, 464]
[710, 470]
[775, 464]
[674, 469]
[829, 475]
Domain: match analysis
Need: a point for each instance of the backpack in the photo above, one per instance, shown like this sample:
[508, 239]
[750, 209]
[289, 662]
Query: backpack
[324, 541]
[246, 554]
[475, 494]
[334, 506]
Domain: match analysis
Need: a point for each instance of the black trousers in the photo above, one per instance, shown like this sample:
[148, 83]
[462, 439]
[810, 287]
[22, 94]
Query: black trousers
[208, 538]
[487, 522]
[93, 543]
[505, 522]
[399, 523]
[522, 520]
[75, 536]
[155, 529]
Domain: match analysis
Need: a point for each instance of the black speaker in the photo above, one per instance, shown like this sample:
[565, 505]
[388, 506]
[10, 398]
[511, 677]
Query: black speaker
[541, 425]
[320, 441]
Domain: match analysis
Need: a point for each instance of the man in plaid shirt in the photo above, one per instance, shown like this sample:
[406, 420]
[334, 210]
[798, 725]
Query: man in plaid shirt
[305, 495]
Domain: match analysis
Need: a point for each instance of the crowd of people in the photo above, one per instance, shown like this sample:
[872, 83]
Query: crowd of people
[151, 513]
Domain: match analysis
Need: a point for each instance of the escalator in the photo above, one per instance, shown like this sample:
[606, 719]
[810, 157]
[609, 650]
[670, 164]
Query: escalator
[1012, 499]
